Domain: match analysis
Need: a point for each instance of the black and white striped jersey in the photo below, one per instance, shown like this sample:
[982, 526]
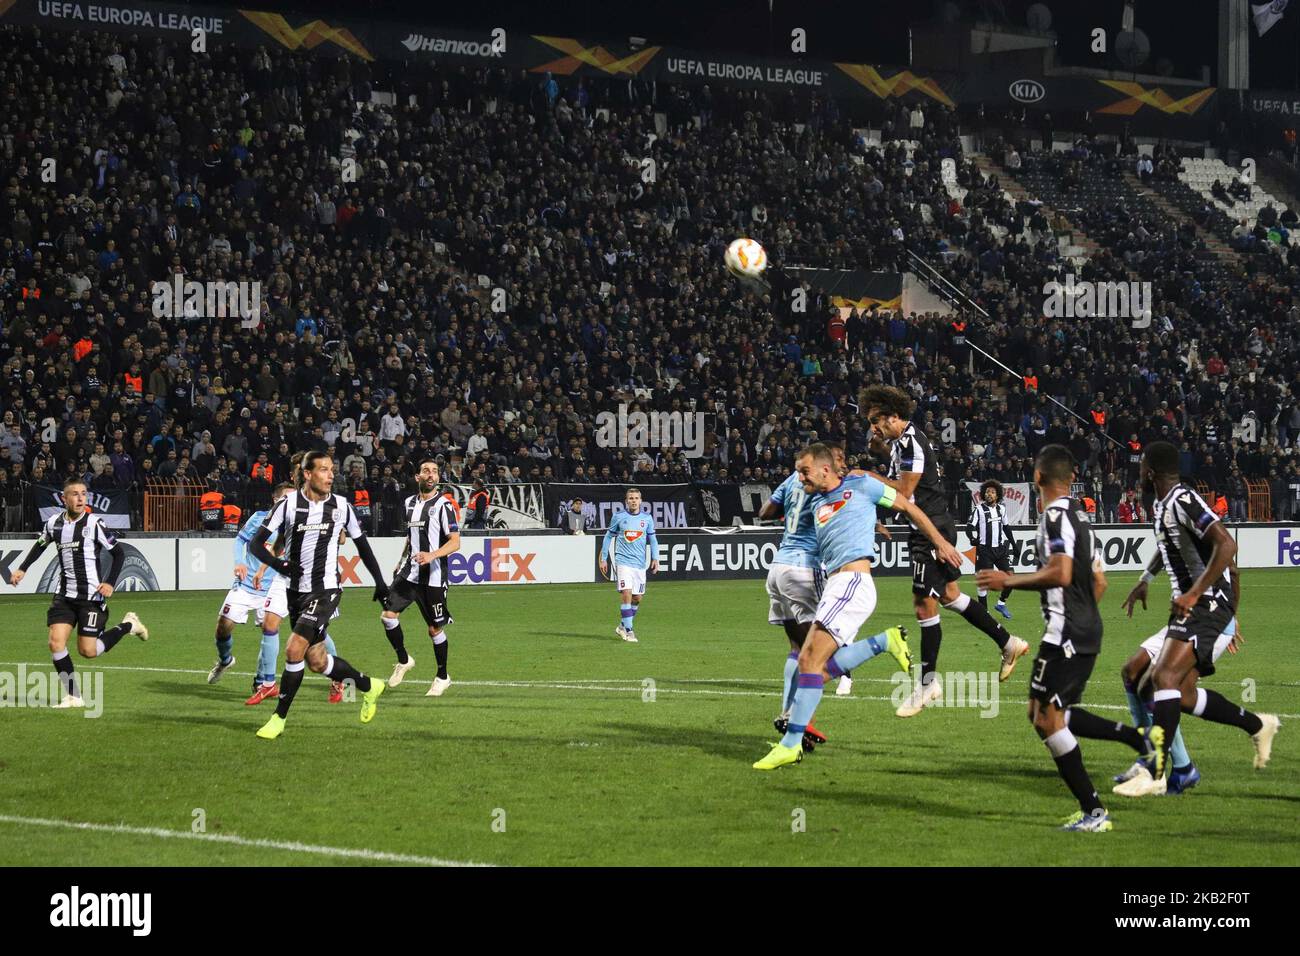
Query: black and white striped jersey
[429, 522]
[80, 543]
[310, 531]
[1070, 614]
[1182, 518]
[989, 525]
[911, 453]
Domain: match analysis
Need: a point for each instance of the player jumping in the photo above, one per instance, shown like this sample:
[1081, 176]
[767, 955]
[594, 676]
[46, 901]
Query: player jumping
[632, 532]
[81, 595]
[914, 471]
[844, 518]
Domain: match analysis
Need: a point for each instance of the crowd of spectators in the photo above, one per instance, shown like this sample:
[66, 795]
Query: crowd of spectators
[605, 285]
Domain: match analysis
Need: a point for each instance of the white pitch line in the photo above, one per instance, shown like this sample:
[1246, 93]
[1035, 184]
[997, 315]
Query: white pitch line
[230, 838]
[633, 685]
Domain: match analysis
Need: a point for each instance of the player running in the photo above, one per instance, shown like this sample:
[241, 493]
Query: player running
[844, 518]
[248, 593]
[914, 471]
[1182, 774]
[311, 522]
[433, 533]
[1072, 581]
[81, 595]
[988, 531]
[632, 532]
[1196, 552]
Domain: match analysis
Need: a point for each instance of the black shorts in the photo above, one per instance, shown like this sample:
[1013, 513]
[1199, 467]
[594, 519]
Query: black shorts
[432, 602]
[310, 612]
[992, 558]
[1058, 679]
[930, 576]
[88, 616]
[1201, 629]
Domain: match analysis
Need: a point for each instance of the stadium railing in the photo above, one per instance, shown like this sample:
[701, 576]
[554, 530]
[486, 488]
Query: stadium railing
[173, 505]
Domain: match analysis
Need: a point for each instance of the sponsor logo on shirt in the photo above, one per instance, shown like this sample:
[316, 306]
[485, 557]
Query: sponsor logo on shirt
[827, 511]
[632, 535]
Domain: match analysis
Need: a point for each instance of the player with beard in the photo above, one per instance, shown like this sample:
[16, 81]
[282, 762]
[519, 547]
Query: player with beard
[432, 535]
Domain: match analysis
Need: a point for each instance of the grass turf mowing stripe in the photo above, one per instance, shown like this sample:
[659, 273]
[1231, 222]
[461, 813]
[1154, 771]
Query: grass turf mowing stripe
[633, 685]
[379, 856]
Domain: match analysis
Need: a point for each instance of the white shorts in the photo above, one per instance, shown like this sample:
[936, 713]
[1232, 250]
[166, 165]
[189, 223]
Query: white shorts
[847, 601]
[629, 579]
[277, 600]
[239, 602]
[795, 592]
[1153, 643]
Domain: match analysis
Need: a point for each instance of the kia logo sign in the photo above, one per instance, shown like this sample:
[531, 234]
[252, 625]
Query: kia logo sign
[1027, 91]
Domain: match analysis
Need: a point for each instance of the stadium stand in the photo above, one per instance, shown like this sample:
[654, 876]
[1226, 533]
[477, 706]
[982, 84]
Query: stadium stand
[377, 335]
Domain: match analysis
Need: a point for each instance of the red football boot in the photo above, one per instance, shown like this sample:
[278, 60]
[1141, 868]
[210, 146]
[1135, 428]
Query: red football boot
[264, 692]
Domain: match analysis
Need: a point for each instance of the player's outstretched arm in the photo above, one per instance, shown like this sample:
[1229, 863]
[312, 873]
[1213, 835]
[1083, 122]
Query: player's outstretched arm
[1139, 592]
[38, 548]
[260, 551]
[943, 549]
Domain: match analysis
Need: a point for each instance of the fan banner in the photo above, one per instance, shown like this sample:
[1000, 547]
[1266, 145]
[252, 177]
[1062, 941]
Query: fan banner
[113, 506]
[671, 506]
[1015, 495]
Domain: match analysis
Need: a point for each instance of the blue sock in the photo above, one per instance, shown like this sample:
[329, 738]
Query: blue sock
[847, 658]
[791, 668]
[1178, 755]
[270, 654]
[1141, 718]
[224, 646]
[329, 646]
[807, 695]
[626, 612]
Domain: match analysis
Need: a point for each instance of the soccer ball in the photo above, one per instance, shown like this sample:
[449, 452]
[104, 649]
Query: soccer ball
[746, 259]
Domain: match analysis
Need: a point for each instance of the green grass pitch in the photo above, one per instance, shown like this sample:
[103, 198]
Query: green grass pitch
[552, 747]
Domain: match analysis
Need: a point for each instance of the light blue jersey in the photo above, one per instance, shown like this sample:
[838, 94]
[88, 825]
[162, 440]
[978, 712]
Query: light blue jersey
[633, 536]
[245, 557]
[799, 540]
[845, 520]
